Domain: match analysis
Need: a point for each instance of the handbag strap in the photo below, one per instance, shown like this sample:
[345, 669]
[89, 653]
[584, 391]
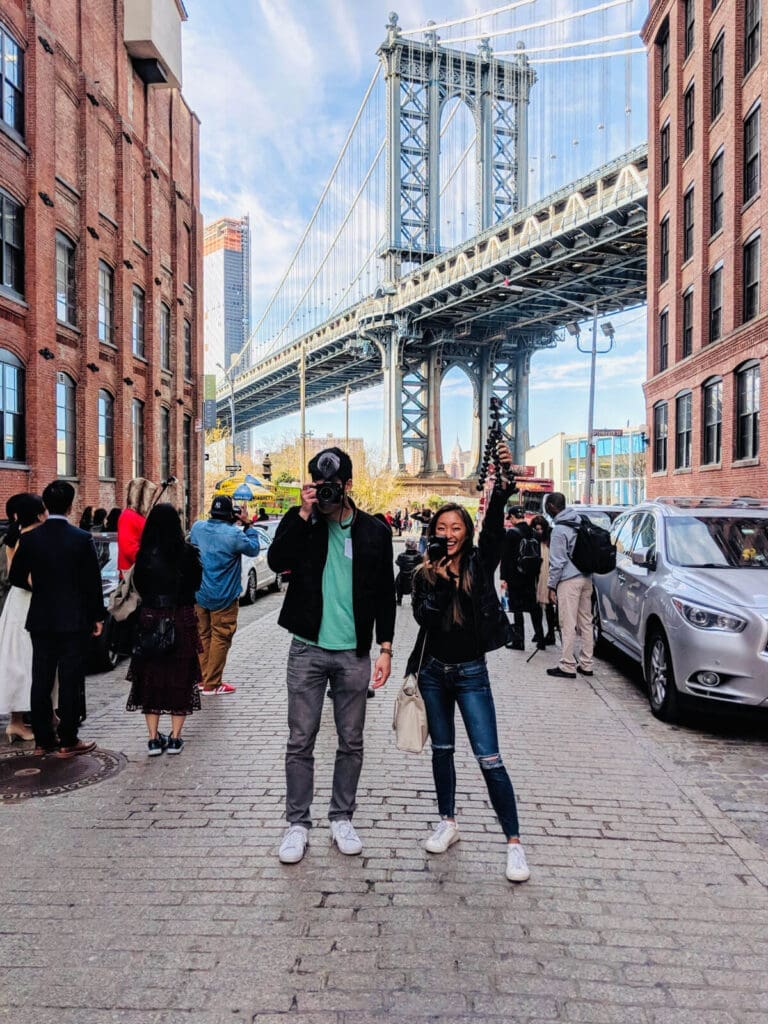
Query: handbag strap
[421, 656]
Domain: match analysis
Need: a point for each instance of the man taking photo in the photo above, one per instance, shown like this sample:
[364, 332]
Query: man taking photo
[222, 543]
[341, 590]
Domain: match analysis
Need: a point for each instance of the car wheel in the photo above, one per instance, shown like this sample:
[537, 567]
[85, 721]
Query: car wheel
[277, 586]
[251, 589]
[660, 677]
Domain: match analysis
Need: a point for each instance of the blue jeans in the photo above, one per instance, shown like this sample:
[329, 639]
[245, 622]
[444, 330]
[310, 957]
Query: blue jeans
[442, 687]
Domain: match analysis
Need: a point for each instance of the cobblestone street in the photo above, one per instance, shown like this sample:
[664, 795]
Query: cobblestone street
[156, 896]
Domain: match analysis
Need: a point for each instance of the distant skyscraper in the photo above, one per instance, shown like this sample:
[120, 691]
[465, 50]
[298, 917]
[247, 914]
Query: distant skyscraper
[227, 291]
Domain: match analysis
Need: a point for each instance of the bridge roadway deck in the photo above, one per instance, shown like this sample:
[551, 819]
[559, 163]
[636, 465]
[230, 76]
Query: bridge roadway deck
[156, 897]
[586, 243]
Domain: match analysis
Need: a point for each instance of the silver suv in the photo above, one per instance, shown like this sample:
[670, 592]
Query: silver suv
[688, 599]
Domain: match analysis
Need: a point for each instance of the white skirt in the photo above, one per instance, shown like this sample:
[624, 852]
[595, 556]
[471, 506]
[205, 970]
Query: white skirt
[15, 653]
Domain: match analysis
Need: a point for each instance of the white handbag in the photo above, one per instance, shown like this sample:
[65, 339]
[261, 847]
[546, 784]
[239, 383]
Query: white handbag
[410, 717]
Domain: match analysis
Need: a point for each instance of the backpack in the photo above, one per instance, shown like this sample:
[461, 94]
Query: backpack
[593, 552]
[528, 557]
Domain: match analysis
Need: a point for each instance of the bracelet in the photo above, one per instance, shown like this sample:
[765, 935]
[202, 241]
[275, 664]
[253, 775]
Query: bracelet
[386, 650]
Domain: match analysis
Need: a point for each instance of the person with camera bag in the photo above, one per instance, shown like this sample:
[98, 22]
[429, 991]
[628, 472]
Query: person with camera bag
[460, 618]
[221, 543]
[520, 565]
[165, 670]
[570, 589]
[341, 590]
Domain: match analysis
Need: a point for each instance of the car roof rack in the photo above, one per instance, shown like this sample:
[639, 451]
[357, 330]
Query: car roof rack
[710, 501]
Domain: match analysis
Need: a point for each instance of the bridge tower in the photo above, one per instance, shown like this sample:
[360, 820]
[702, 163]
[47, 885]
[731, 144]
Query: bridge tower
[421, 78]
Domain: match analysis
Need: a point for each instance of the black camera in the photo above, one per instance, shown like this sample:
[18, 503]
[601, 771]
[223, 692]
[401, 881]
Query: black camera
[437, 549]
[329, 493]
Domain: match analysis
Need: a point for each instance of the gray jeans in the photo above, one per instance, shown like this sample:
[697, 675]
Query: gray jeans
[310, 669]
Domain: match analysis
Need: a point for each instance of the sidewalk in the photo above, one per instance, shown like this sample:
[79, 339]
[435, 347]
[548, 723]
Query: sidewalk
[157, 896]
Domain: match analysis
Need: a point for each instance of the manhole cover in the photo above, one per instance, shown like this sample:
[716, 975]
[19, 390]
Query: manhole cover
[23, 776]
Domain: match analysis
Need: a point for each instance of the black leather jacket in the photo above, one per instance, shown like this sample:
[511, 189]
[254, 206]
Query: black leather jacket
[430, 603]
[301, 546]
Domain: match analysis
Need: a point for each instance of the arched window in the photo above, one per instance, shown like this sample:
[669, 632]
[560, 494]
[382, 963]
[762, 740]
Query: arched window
[106, 435]
[66, 427]
[660, 431]
[66, 295]
[712, 419]
[11, 81]
[165, 337]
[748, 410]
[165, 442]
[12, 448]
[683, 430]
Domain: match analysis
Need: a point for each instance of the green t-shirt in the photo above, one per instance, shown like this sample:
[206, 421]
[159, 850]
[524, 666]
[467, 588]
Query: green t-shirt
[337, 627]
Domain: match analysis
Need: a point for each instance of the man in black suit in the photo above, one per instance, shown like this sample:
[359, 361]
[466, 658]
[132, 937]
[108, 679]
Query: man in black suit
[66, 609]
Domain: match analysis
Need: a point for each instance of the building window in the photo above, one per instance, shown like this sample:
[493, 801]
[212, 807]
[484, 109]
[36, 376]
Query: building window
[106, 435]
[165, 442]
[660, 430]
[137, 322]
[187, 469]
[11, 244]
[187, 350]
[688, 120]
[752, 154]
[713, 422]
[683, 430]
[137, 438]
[718, 76]
[664, 249]
[11, 82]
[663, 44]
[664, 156]
[688, 224]
[716, 193]
[66, 459]
[165, 337]
[748, 412]
[106, 303]
[66, 305]
[715, 304]
[663, 340]
[751, 34]
[751, 278]
[687, 323]
[11, 408]
[690, 22]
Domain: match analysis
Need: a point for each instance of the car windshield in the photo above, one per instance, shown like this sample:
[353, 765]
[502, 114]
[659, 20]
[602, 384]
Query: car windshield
[718, 542]
[106, 552]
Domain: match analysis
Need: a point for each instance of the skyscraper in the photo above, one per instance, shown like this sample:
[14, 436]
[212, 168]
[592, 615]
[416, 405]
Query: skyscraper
[227, 291]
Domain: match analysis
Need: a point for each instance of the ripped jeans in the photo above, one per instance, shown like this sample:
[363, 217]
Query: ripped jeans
[442, 687]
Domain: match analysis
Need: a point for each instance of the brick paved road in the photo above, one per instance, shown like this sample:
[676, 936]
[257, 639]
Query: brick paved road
[157, 897]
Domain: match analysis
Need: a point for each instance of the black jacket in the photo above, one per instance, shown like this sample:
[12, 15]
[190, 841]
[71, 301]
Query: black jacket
[157, 577]
[431, 603]
[66, 582]
[521, 589]
[301, 547]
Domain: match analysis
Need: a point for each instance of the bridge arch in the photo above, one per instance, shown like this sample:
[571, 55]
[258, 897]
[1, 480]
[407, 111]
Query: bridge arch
[458, 401]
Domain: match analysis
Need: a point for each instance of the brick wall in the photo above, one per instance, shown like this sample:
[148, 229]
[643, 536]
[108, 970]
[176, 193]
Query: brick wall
[120, 162]
[739, 341]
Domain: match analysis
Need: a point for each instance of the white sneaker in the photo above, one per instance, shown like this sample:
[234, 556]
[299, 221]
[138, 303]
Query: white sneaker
[445, 835]
[294, 844]
[344, 835]
[517, 865]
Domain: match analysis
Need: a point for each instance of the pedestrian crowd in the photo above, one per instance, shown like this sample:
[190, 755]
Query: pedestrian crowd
[178, 602]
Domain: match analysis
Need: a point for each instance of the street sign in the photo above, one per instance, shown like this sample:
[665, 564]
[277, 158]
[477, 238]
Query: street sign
[209, 413]
[234, 468]
[607, 433]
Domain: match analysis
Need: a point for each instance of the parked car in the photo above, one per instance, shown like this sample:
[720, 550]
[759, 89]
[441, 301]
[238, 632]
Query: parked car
[257, 575]
[601, 515]
[103, 656]
[688, 599]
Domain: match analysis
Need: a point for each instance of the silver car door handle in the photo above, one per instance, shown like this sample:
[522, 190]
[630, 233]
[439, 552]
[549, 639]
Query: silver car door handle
[621, 578]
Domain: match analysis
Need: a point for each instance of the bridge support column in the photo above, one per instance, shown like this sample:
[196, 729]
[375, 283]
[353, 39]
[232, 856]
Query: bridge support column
[522, 381]
[393, 404]
[433, 456]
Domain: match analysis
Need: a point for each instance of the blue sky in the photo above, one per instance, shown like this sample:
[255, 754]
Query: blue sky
[277, 83]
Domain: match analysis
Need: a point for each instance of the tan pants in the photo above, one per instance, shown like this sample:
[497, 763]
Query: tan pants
[574, 606]
[216, 632]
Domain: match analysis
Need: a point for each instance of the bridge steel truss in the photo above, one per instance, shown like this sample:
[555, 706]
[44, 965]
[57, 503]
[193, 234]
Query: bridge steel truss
[420, 79]
[486, 306]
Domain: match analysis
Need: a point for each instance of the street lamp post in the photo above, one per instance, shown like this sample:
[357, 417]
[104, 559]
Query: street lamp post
[574, 330]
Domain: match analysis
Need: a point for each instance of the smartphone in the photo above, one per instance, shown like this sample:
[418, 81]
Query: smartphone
[437, 549]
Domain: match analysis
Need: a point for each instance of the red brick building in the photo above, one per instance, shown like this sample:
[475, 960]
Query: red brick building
[707, 259]
[100, 250]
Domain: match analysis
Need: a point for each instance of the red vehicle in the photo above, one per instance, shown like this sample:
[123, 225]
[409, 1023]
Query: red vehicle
[531, 491]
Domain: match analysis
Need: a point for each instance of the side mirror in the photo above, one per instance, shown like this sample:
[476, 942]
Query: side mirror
[645, 559]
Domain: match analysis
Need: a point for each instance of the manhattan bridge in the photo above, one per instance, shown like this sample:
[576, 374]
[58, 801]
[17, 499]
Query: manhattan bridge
[491, 189]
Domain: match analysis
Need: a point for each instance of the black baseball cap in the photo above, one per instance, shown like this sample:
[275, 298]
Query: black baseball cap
[222, 507]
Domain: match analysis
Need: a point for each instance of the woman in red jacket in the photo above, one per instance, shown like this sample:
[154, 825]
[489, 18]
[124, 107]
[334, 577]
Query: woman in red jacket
[130, 526]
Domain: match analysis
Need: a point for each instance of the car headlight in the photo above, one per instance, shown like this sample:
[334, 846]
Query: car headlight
[709, 618]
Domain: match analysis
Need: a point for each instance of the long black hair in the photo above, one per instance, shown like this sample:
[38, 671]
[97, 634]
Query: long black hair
[11, 538]
[546, 531]
[163, 533]
[465, 576]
